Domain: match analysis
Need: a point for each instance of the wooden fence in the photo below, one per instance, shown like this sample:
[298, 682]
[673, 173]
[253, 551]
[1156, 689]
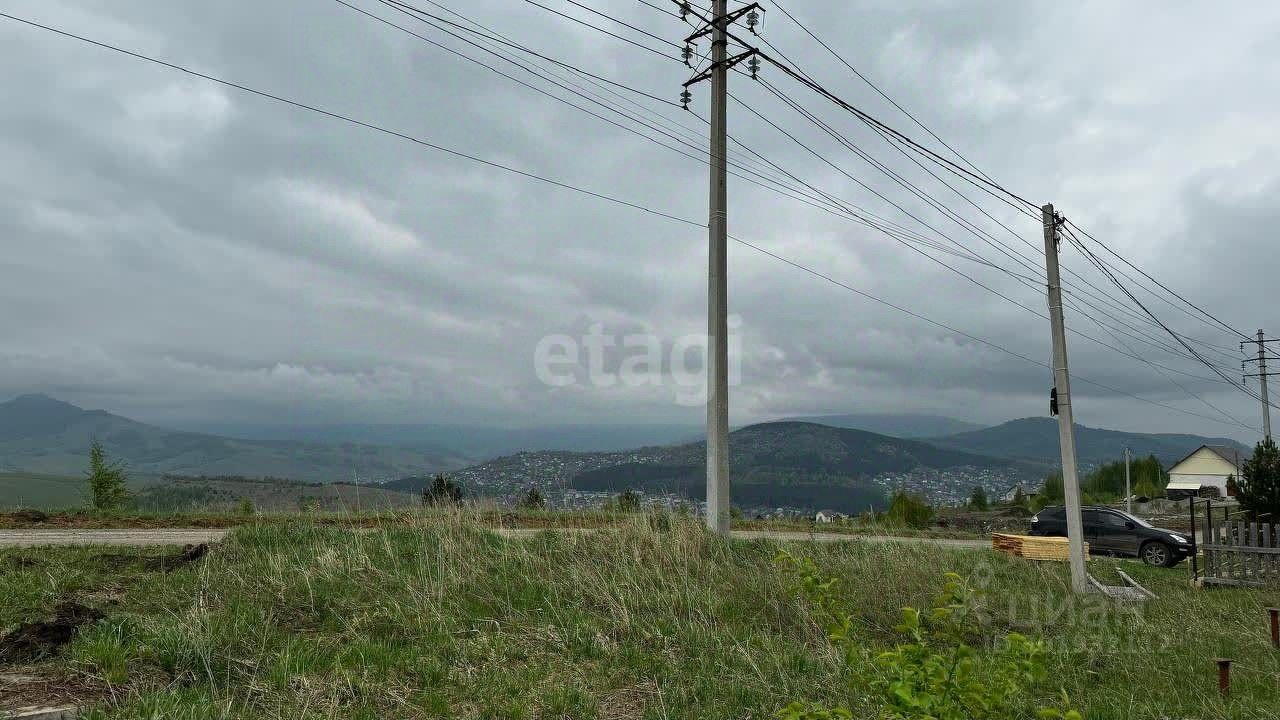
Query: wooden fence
[1241, 553]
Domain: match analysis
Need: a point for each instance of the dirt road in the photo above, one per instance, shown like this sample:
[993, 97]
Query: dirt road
[185, 536]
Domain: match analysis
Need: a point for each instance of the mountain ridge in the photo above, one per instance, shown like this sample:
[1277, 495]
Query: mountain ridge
[912, 426]
[41, 434]
[1036, 440]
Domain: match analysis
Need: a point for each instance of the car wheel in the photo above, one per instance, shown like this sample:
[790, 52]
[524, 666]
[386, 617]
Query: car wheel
[1157, 554]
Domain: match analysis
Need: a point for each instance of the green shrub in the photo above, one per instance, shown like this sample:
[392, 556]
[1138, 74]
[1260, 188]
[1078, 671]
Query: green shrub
[908, 510]
[442, 491]
[933, 674]
[533, 500]
[978, 500]
[629, 501]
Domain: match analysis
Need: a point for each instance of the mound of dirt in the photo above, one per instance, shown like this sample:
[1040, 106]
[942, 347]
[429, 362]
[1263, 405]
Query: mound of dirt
[158, 563]
[32, 642]
[18, 562]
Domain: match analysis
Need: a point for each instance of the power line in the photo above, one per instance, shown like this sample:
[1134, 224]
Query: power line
[901, 138]
[546, 180]
[642, 31]
[880, 92]
[1105, 297]
[988, 343]
[348, 119]
[1083, 248]
[894, 133]
[970, 278]
[1161, 285]
[610, 33]
[660, 9]
[1160, 369]
[503, 40]
[861, 215]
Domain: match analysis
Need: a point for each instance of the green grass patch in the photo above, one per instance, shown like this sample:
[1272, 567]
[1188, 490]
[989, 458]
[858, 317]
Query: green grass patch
[447, 620]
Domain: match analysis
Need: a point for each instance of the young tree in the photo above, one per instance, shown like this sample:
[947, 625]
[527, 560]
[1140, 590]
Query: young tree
[1233, 487]
[907, 510]
[1259, 484]
[107, 480]
[1053, 492]
[442, 491]
[1019, 497]
[533, 500]
[978, 500]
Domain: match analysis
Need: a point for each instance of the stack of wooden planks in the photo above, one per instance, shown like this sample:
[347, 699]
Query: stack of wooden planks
[1032, 547]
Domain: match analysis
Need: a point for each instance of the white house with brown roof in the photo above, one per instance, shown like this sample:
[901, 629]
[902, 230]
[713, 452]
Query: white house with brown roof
[1205, 469]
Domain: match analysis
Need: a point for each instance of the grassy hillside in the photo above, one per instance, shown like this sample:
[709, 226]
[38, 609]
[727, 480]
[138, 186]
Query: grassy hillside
[447, 621]
[33, 490]
[223, 494]
[30, 490]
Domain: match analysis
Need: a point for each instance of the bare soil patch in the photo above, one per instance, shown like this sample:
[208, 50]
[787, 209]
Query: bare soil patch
[158, 563]
[35, 641]
[33, 687]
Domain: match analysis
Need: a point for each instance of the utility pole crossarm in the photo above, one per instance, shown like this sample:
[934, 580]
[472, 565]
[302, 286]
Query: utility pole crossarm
[728, 64]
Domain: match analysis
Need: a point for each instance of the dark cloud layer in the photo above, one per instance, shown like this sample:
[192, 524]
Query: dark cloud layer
[179, 251]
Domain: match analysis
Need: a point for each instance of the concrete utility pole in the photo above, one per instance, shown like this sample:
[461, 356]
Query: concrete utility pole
[717, 283]
[1128, 492]
[1262, 378]
[1066, 422]
[718, 240]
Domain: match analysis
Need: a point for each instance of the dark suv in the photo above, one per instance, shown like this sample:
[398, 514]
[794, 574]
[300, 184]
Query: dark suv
[1110, 531]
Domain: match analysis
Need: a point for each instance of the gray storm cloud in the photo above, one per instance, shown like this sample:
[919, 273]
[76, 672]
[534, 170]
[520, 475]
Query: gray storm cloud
[179, 251]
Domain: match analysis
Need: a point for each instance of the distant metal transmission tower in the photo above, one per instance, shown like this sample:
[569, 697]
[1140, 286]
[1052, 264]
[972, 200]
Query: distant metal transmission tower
[718, 234]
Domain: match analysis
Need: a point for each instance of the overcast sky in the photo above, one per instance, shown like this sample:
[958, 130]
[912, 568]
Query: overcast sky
[180, 252]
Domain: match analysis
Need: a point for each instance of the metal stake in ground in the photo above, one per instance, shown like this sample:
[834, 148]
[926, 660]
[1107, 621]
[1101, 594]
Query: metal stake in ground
[1275, 626]
[1066, 423]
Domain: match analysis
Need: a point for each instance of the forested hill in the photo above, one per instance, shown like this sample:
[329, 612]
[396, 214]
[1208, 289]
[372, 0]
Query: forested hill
[773, 464]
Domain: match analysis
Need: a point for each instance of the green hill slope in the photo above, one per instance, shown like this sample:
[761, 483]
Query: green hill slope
[39, 434]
